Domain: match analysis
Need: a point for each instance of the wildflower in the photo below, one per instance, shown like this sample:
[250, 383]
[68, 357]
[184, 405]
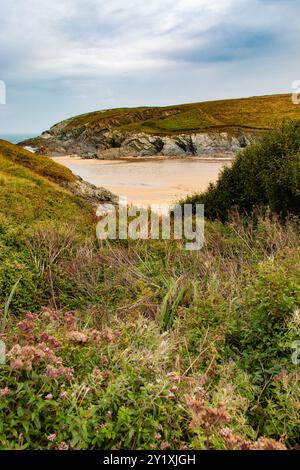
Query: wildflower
[16, 364]
[62, 446]
[25, 357]
[49, 396]
[104, 360]
[60, 372]
[225, 432]
[97, 372]
[232, 441]
[49, 314]
[173, 377]
[4, 392]
[109, 414]
[165, 445]
[106, 335]
[31, 316]
[282, 374]
[51, 437]
[266, 443]
[206, 416]
[70, 321]
[157, 436]
[27, 326]
[44, 337]
[63, 394]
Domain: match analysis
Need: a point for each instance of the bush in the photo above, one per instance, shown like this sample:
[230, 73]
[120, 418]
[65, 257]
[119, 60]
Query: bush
[266, 174]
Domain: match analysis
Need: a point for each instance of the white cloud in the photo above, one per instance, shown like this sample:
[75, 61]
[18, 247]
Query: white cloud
[73, 56]
[99, 37]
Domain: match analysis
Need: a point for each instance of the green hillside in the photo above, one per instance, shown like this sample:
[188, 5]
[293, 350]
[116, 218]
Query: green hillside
[32, 189]
[257, 113]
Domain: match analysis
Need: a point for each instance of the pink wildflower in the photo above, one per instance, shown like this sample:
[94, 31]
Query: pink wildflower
[60, 372]
[62, 446]
[77, 337]
[165, 445]
[44, 337]
[70, 321]
[104, 360]
[4, 392]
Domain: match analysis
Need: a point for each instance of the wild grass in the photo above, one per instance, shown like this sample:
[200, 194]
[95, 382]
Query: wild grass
[255, 113]
[169, 350]
[44, 167]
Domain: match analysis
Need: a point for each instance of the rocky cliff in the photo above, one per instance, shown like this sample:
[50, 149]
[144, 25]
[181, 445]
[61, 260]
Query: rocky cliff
[210, 129]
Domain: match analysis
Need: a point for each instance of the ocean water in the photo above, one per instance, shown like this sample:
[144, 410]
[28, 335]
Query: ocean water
[16, 138]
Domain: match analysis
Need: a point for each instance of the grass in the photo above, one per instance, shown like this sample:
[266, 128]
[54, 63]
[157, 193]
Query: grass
[255, 114]
[40, 166]
[28, 202]
[32, 189]
[220, 376]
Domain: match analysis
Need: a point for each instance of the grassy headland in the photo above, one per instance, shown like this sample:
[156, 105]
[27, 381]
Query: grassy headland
[261, 112]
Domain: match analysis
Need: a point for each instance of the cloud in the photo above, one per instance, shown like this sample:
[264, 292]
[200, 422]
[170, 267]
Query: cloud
[64, 57]
[226, 43]
[98, 37]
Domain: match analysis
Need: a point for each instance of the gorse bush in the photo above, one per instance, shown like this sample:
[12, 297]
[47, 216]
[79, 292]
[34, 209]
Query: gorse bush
[264, 175]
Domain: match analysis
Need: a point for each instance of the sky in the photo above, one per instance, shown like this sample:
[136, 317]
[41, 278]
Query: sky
[61, 58]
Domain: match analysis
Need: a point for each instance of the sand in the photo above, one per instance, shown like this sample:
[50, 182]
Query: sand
[147, 181]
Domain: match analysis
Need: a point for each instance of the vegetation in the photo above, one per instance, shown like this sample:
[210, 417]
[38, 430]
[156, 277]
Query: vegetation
[265, 175]
[40, 166]
[255, 114]
[142, 344]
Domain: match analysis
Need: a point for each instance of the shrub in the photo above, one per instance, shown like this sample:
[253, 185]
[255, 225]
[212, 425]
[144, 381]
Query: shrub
[266, 174]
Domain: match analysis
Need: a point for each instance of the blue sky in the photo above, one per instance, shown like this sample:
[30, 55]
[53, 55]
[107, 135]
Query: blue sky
[67, 57]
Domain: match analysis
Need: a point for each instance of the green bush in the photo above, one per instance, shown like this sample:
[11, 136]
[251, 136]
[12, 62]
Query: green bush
[264, 175]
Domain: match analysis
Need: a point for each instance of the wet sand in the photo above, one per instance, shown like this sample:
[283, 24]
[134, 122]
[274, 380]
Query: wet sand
[147, 181]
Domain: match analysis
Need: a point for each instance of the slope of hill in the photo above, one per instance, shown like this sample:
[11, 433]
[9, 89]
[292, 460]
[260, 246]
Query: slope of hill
[38, 194]
[17, 160]
[213, 128]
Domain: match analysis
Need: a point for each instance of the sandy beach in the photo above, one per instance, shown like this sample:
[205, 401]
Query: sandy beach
[144, 181]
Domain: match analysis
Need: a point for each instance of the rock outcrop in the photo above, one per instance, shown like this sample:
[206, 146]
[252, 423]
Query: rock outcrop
[116, 144]
[92, 194]
[212, 144]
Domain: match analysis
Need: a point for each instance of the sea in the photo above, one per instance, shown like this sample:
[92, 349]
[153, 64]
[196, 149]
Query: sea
[16, 138]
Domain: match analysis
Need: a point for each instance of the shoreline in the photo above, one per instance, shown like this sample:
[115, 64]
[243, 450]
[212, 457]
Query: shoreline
[153, 158]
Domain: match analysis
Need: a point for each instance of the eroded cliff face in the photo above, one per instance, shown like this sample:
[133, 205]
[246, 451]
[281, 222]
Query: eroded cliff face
[108, 143]
[213, 144]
